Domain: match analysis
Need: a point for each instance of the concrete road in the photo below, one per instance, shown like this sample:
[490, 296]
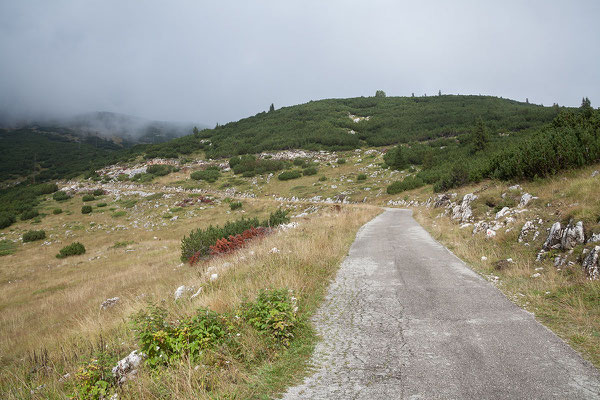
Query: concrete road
[406, 319]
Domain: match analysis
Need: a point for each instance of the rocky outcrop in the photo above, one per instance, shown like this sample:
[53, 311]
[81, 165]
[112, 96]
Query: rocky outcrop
[529, 232]
[463, 212]
[554, 237]
[525, 199]
[572, 236]
[591, 263]
[126, 369]
[441, 200]
[505, 211]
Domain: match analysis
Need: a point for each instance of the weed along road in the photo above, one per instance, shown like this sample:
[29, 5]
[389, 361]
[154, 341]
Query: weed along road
[406, 319]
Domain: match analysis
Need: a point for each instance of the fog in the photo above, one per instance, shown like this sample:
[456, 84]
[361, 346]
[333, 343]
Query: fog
[220, 61]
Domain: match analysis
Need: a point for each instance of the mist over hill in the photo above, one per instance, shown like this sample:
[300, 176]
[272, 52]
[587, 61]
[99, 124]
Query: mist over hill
[109, 125]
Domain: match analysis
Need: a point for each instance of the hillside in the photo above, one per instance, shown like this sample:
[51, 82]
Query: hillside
[342, 124]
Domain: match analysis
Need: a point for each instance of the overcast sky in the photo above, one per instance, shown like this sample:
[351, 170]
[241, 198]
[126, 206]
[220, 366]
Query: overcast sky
[217, 61]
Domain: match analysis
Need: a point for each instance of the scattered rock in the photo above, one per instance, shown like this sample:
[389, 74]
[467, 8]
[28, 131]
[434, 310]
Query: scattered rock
[108, 303]
[595, 173]
[515, 187]
[214, 277]
[503, 212]
[537, 274]
[572, 236]
[490, 233]
[197, 293]
[525, 199]
[559, 261]
[179, 292]
[591, 263]
[126, 369]
[553, 240]
[594, 238]
[526, 231]
[441, 200]
[463, 212]
[274, 250]
[484, 258]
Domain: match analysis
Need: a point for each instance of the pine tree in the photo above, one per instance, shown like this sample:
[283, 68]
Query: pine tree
[196, 131]
[379, 93]
[439, 93]
[272, 108]
[480, 137]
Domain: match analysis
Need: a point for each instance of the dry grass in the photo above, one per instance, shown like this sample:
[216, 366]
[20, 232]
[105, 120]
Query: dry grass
[563, 299]
[50, 305]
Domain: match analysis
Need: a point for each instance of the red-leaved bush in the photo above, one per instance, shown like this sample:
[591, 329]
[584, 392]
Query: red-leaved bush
[227, 245]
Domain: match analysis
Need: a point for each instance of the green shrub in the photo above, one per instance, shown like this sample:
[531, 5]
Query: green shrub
[86, 209]
[361, 177]
[277, 218]
[165, 341]
[6, 219]
[234, 205]
[29, 214]
[101, 205]
[32, 236]
[208, 175]
[74, 249]
[57, 211]
[322, 179]
[408, 183]
[341, 161]
[287, 175]
[88, 197]
[98, 192]
[94, 379]
[309, 171]
[118, 214]
[200, 240]
[159, 169]
[273, 313]
[61, 196]
[46, 188]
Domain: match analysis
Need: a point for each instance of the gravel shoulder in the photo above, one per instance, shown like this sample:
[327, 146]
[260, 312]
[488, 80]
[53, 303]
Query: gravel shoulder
[406, 319]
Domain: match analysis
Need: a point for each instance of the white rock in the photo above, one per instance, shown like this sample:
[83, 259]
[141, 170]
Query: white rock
[214, 277]
[484, 258]
[197, 293]
[594, 238]
[126, 369]
[274, 250]
[108, 303]
[537, 274]
[595, 173]
[490, 233]
[502, 212]
[179, 292]
[525, 199]
[591, 263]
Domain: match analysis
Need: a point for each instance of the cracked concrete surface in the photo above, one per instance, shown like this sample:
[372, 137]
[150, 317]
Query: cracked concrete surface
[406, 319]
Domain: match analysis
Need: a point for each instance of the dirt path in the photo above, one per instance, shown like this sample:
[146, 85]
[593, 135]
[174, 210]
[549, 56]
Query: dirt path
[406, 319]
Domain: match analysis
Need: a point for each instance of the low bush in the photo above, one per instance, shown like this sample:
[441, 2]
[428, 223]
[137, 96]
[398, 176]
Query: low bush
[32, 236]
[309, 171]
[94, 379]
[118, 214]
[98, 192]
[235, 205]
[208, 175]
[29, 214]
[288, 175]
[322, 179]
[101, 205]
[164, 341]
[159, 169]
[46, 188]
[361, 177]
[408, 183]
[227, 245]
[74, 249]
[57, 211]
[86, 209]
[88, 197]
[198, 243]
[341, 161]
[6, 219]
[61, 196]
[273, 313]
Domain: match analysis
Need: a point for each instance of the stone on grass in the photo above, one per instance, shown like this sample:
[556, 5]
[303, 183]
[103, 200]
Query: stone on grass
[591, 263]
[553, 240]
[179, 292]
[126, 369]
[108, 303]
